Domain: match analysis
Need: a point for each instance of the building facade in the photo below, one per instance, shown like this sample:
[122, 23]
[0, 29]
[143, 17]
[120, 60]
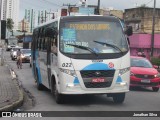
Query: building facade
[117, 13]
[10, 9]
[30, 16]
[24, 25]
[3, 9]
[141, 19]
[142, 43]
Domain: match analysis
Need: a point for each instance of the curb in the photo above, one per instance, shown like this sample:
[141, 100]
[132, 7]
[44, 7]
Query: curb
[19, 102]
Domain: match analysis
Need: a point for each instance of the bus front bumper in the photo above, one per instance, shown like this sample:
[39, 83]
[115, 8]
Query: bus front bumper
[74, 90]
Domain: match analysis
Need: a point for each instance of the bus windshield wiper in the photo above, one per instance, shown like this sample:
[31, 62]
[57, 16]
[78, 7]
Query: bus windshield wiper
[84, 48]
[113, 46]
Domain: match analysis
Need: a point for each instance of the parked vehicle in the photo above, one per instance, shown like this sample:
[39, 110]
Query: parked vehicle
[26, 53]
[143, 74]
[13, 52]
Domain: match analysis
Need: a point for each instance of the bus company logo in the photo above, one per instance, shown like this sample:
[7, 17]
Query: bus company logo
[6, 114]
[97, 73]
[111, 65]
[146, 76]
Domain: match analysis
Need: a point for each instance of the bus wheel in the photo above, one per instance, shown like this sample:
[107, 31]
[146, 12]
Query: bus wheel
[58, 97]
[155, 89]
[118, 97]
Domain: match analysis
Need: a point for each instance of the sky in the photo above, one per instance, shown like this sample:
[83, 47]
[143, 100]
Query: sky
[57, 4]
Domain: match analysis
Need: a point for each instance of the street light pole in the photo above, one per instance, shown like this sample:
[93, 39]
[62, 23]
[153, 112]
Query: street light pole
[153, 26]
[98, 7]
[0, 19]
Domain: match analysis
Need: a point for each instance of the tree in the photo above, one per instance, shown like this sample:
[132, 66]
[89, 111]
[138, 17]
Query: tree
[144, 6]
[9, 25]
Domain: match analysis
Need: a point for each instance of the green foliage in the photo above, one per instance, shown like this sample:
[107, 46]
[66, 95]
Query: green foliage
[155, 61]
[10, 24]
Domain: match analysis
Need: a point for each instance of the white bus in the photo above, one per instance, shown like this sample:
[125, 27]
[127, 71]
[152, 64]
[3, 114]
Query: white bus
[73, 55]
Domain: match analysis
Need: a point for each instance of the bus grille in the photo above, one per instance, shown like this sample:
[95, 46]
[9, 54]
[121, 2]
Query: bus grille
[144, 76]
[88, 75]
[97, 73]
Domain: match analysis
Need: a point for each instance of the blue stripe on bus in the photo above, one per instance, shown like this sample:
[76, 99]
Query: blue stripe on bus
[38, 68]
[76, 81]
[32, 62]
[119, 80]
[97, 66]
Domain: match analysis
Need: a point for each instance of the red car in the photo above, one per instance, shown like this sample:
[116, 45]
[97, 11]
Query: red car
[143, 74]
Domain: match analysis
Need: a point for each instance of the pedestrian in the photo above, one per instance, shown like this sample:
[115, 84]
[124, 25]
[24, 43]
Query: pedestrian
[19, 59]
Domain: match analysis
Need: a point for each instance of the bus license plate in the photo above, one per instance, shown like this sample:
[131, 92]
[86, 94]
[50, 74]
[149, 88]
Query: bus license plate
[145, 81]
[98, 80]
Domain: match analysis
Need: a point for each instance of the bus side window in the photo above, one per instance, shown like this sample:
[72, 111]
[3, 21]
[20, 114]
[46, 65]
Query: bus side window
[45, 44]
[40, 40]
[54, 46]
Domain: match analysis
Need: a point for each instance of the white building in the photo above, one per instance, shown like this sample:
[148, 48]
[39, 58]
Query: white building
[30, 17]
[10, 9]
[3, 9]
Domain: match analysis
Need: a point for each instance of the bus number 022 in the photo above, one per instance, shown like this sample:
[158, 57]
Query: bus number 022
[66, 65]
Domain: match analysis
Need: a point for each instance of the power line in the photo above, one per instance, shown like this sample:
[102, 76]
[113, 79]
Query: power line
[38, 5]
[148, 2]
[49, 2]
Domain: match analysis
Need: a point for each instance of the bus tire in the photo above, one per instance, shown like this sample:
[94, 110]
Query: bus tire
[58, 97]
[118, 97]
[39, 86]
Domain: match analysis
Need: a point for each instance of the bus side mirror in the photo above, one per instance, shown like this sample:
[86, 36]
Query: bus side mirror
[155, 66]
[129, 31]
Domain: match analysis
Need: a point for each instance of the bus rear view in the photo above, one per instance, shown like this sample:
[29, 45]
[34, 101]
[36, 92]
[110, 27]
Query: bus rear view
[92, 57]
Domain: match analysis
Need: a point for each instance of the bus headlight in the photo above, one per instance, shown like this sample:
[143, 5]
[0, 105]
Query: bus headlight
[122, 71]
[69, 72]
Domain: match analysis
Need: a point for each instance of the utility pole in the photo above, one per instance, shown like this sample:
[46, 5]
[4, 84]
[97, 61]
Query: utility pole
[153, 27]
[38, 17]
[31, 21]
[98, 7]
[45, 16]
[1, 54]
[24, 29]
[0, 19]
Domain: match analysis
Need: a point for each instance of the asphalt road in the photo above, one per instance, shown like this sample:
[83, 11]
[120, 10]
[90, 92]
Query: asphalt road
[136, 100]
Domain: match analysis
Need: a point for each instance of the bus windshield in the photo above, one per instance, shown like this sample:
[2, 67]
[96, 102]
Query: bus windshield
[99, 36]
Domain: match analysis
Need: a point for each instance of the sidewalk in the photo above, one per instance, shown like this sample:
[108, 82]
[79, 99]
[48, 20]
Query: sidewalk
[11, 95]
